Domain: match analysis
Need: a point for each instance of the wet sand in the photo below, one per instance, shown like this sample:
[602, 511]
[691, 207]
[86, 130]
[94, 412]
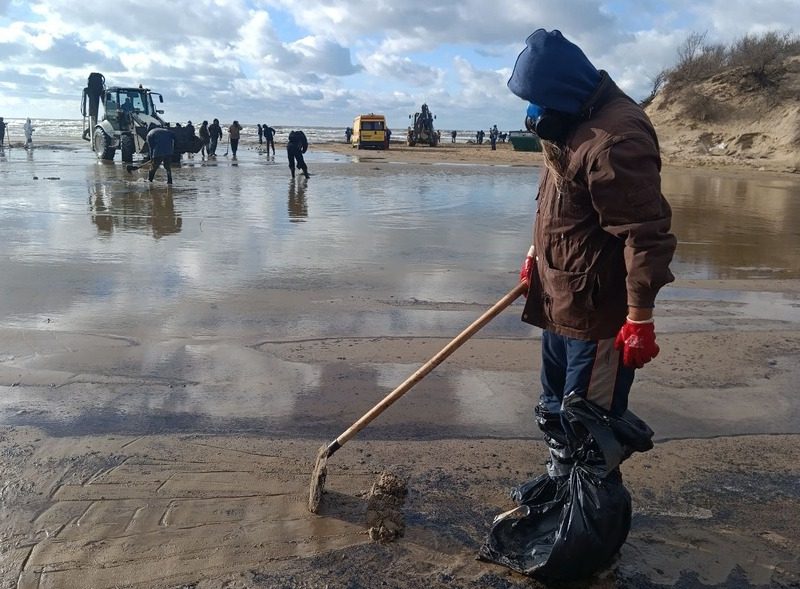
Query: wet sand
[166, 440]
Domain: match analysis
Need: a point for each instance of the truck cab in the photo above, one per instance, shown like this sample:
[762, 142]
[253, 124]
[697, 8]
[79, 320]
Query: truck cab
[369, 132]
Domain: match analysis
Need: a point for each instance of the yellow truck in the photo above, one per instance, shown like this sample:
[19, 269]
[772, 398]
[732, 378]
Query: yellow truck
[369, 132]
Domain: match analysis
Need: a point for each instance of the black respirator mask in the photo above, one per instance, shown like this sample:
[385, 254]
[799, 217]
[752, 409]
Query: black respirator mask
[548, 124]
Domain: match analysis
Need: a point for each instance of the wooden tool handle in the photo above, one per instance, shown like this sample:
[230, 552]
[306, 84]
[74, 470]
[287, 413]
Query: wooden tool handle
[426, 368]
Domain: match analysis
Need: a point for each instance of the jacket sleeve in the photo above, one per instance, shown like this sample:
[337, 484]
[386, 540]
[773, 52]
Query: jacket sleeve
[625, 185]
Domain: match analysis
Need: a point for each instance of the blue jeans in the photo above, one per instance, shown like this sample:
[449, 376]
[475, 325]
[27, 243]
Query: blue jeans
[591, 369]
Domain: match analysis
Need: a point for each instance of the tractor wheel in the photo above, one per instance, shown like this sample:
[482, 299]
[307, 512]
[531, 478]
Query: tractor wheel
[127, 147]
[102, 145]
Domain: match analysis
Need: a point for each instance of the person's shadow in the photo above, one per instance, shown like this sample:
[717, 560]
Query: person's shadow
[298, 207]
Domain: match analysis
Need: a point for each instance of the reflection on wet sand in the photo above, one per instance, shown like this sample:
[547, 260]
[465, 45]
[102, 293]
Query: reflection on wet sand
[298, 207]
[735, 227]
[134, 210]
[353, 389]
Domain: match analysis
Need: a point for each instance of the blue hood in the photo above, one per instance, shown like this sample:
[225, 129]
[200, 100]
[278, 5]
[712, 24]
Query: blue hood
[553, 73]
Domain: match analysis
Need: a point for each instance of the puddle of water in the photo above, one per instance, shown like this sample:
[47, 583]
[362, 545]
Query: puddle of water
[764, 306]
[237, 251]
[96, 235]
[735, 227]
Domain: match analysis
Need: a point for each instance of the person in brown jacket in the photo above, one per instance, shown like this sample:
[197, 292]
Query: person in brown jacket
[601, 239]
[234, 132]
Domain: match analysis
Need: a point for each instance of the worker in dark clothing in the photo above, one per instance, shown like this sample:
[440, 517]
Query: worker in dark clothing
[161, 143]
[269, 136]
[601, 237]
[260, 134]
[216, 134]
[295, 148]
[127, 110]
[205, 137]
[2, 133]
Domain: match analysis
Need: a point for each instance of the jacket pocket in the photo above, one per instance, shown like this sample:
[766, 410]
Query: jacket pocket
[568, 297]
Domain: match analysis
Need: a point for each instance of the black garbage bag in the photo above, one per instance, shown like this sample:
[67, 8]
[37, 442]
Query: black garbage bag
[185, 140]
[572, 528]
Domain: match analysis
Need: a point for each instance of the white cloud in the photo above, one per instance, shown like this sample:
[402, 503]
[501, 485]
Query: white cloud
[69, 52]
[730, 19]
[322, 56]
[382, 65]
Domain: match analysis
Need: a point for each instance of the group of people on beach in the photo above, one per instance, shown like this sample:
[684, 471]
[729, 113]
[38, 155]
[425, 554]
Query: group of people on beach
[27, 128]
[494, 136]
[211, 135]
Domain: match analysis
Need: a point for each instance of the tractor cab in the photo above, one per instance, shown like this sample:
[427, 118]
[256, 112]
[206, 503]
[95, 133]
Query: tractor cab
[125, 107]
[130, 99]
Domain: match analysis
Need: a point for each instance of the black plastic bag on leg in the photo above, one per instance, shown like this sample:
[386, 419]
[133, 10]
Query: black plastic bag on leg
[572, 535]
[566, 530]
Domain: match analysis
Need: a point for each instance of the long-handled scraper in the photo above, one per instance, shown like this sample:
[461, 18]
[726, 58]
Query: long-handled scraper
[327, 450]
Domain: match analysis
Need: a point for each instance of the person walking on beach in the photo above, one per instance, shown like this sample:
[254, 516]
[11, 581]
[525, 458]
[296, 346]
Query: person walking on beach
[453, 135]
[260, 134]
[28, 128]
[161, 143]
[234, 132]
[192, 132]
[602, 245]
[493, 135]
[269, 137]
[348, 133]
[205, 137]
[216, 134]
[2, 133]
[295, 148]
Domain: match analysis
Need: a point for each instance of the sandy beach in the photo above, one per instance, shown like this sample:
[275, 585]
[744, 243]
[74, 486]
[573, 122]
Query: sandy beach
[171, 360]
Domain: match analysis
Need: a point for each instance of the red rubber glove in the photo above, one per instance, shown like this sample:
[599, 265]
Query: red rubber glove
[637, 342]
[526, 269]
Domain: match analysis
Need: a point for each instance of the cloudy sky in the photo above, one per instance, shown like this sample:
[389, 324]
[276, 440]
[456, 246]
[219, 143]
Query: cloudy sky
[320, 62]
